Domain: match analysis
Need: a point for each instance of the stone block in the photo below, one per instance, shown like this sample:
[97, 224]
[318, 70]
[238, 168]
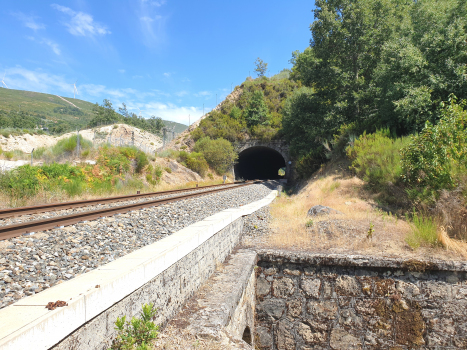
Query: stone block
[263, 287]
[294, 308]
[311, 287]
[322, 309]
[271, 307]
[347, 285]
[283, 287]
[341, 339]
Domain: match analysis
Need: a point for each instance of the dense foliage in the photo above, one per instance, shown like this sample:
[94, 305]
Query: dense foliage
[20, 120]
[219, 153]
[434, 158]
[257, 113]
[376, 64]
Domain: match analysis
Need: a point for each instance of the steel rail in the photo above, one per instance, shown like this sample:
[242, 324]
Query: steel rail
[19, 229]
[12, 212]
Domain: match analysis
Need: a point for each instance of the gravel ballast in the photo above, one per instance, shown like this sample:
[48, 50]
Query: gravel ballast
[30, 264]
[55, 213]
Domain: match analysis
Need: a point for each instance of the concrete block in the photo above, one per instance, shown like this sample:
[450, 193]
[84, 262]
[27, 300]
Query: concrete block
[46, 330]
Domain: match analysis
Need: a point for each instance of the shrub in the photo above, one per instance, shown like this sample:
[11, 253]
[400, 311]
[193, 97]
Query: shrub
[21, 182]
[141, 161]
[219, 153]
[138, 332]
[154, 174]
[424, 231]
[432, 159]
[67, 146]
[376, 158]
[167, 169]
[197, 163]
[39, 152]
[8, 154]
[211, 176]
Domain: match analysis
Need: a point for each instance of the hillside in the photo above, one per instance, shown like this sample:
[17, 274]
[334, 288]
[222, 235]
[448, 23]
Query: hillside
[253, 110]
[50, 110]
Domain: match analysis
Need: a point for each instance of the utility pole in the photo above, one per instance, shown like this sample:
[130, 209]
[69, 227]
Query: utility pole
[132, 138]
[31, 155]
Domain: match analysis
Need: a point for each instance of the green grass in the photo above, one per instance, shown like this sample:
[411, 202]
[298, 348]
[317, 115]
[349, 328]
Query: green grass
[424, 231]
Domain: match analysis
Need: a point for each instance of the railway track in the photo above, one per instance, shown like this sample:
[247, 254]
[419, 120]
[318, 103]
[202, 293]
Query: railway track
[19, 229]
[36, 209]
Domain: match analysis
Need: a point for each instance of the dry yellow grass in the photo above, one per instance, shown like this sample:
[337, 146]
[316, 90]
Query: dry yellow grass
[360, 228]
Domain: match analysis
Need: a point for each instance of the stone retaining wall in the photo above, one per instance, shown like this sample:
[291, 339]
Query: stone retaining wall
[168, 291]
[352, 302]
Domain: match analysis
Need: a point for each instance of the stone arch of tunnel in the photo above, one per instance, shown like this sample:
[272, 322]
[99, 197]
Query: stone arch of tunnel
[259, 162]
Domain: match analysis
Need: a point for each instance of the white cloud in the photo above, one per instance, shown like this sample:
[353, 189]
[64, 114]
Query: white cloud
[167, 74]
[181, 93]
[52, 44]
[203, 94]
[121, 71]
[152, 23]
[154, 3]
[29, 21]
[24, 79]
[169, 111]
[81, 24]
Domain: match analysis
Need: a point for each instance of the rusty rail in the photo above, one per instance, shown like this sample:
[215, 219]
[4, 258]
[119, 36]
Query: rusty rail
[19, 229]
[36, 209]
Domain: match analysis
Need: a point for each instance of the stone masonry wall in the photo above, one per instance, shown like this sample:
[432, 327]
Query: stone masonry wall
[354, 302]
[168, 291]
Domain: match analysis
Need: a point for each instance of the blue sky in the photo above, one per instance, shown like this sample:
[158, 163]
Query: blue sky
[166, 57]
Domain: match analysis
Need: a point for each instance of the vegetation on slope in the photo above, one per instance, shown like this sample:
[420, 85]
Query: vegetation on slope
[256, 114]
[30, 110]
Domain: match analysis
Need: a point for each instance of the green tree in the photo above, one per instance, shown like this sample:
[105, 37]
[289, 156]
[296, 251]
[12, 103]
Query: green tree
[219, 153]
[261, 67]
[257, 111]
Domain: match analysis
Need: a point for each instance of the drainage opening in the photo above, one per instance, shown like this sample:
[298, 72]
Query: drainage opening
[247, 335]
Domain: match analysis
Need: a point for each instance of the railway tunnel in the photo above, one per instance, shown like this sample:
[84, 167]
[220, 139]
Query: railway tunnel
[259, 162]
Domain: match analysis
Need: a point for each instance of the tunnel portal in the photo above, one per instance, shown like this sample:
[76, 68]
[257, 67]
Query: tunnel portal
[259, 163]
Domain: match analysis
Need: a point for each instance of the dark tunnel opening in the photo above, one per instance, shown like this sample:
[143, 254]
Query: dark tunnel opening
[259, 163]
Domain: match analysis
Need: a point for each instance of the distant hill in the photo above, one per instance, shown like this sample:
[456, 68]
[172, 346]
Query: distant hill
[54, 109]
[178, 128]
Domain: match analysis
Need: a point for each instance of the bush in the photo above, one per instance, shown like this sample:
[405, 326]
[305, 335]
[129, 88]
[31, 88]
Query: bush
[67, 146]
[154, 174]
[211, 176]
[433, 159]
[8, 155]
[141, 161]
[138, 333]
[167, 169]
[219, 153]
[424, 231]
[376, 158]
[197, 163]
